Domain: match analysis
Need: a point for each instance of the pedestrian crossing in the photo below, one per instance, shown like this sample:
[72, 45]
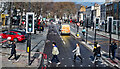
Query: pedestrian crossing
[81, 65]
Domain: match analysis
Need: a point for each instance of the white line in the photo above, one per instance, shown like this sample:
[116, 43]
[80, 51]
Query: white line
[88, 65]
[64, 42]
[60, 36]
[97, 65]
[62, 58]
[72, 65]
[81, 65]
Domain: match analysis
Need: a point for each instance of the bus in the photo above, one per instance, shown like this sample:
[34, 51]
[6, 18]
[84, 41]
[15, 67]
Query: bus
[65, 29]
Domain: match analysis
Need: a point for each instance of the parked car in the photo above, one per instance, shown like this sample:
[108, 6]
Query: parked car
[15, 36]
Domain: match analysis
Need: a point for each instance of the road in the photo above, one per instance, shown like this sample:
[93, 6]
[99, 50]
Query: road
[65, 45]
[103, 41]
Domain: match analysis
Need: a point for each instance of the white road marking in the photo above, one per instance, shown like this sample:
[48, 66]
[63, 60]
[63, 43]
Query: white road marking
[72, 65]
[104, 65]
[61, 37]
[83, 58]
[81, 65]
[65, 65]
[69, 58]
[64, 42]
[101, 63]
[89, 65]
[48, 65]
[97, 65]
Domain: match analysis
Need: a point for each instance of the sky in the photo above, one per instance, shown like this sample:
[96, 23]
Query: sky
[83, 2]
[79, 0]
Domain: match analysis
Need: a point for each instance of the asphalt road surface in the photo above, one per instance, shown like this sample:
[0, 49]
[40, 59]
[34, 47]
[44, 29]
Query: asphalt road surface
[103, 41]
[66, 44]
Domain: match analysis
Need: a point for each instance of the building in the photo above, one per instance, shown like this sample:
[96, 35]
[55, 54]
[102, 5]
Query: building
[82, 13]
[97, 10]
[92, 12]
[119, 10]
[112, 9]
[89, 15]
[103, 17]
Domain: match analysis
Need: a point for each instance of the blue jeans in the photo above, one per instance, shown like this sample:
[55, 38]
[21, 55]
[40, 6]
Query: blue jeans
[55, 57]
[113, 54]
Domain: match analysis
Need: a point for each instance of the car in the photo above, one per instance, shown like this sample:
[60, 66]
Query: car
[21, 31]
[15, 36]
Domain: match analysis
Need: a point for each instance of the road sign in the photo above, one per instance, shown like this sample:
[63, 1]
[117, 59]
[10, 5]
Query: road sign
[30, 22]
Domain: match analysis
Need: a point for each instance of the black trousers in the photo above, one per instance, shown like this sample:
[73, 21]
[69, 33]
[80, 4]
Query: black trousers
[78, 56]
[55, 57]
[12, 55]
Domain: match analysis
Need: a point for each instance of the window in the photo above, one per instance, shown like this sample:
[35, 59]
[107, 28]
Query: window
[11, 33]
[19, 33]
[115, 8]
[119, 10]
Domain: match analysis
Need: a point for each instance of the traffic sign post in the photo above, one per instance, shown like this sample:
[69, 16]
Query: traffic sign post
[97, 21]
[29, 30]
[78, 24]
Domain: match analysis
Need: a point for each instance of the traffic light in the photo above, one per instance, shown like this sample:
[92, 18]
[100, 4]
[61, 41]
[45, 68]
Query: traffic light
[110, 23]
[97, 23]
[30, 22]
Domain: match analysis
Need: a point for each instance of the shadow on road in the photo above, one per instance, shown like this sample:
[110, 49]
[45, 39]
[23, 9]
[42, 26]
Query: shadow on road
[36, 55]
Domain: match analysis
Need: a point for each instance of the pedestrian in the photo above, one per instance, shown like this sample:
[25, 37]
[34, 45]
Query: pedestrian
[55, 52]
[77, 52]
[113, 48]
[97, 52]
[13, 51]
[83, 31]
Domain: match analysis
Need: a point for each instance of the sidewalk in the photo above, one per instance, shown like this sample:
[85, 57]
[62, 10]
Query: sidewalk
[36, 54]
[105, 57]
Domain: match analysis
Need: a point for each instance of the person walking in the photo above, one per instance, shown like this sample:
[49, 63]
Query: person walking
[113, 48]
[83, 31]
[13, 51]
[97, 52]
[55, 52]
[77, 52]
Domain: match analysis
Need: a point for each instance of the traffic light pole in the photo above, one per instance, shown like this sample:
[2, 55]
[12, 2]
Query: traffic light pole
[29, 47]
[87, 30]
[95, 36]
[29, 41]
[110, 37]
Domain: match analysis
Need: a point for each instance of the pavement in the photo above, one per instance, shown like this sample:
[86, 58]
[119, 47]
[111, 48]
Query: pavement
[65, 44]
[90, 46]
[38, 41]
